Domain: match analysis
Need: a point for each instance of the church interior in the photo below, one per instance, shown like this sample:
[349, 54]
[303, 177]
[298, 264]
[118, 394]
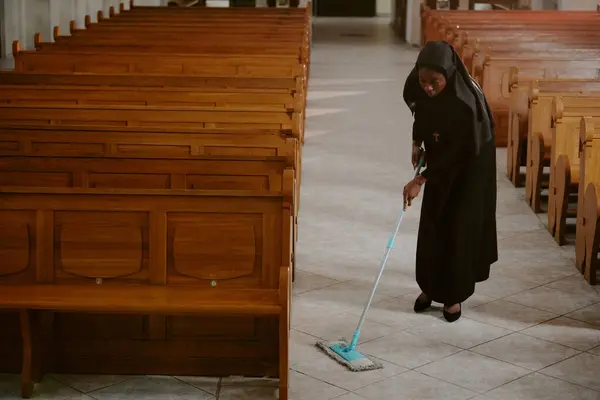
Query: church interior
[124, 275]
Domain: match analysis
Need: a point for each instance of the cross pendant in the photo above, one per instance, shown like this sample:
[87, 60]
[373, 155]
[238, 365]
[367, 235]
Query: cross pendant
[436, 136]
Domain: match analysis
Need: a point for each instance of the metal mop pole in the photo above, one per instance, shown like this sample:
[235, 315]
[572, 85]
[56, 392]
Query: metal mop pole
[390, 246]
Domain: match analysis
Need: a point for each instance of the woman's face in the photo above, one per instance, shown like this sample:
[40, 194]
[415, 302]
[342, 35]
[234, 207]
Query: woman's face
[431, 81]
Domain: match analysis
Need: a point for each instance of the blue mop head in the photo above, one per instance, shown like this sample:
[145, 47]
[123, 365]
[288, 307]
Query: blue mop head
[350, 358]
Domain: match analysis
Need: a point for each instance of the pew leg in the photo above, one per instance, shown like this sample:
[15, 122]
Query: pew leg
[284, 336]
[32, 368]
[562, 179]
[510, 156]
[581, 224]
[529, 175]
[592, 234]
[537, 169]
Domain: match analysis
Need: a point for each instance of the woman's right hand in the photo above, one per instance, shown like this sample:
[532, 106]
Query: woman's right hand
[417, 153]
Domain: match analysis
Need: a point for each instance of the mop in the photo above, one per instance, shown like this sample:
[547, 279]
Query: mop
[344, 353]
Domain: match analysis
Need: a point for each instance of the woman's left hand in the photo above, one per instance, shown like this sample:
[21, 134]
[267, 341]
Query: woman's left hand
[411, 190]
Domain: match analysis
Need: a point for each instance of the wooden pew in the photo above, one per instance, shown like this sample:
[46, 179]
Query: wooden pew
[256, 334]
[149, 116]
[149, 96]
[211, 83]
[143, 143]
[565, 158]
[497, 78]
[543, 143]
[294, 50]
[168, 63]
[206, 173]
[525, 96]
[158, 237]
[588, 216]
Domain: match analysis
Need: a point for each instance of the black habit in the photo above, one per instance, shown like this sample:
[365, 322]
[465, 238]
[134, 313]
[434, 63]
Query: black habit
[457, 240]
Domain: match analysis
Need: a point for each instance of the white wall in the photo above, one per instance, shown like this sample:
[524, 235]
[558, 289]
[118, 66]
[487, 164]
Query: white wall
[577, 4]
[22, 19]
[385, 7]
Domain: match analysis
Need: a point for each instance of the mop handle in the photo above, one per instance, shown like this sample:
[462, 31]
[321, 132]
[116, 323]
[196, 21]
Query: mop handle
[389, 247]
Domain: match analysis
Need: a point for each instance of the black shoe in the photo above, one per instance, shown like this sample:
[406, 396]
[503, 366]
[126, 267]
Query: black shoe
[421, 305]
[451, 317]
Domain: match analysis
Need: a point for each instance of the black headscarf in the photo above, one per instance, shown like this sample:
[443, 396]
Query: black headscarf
[441, 57]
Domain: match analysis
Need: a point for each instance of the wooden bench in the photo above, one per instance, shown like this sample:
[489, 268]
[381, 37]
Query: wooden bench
[133, 46]
[588, 217]
[228, 314]
[498, 75]
[525, 97]
[565, 174]
[206, 173]
[151, 116]
[139, 252]
[221, 83]
[168, 63]
[149, 96]
[544, 144]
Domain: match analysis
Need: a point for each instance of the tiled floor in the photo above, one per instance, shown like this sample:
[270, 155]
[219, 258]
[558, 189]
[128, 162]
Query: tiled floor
[531, 332]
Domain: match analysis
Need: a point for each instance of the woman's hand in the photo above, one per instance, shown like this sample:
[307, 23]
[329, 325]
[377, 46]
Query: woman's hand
[417, 153]
[412, 190]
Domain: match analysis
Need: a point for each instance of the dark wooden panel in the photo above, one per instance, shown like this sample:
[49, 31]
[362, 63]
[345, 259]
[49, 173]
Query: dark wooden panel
[346, 8]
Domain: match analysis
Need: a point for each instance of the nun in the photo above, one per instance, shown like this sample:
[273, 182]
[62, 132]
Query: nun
[453, 136]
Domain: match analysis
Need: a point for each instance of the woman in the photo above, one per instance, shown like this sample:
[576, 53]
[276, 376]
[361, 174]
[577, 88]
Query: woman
[457, 240]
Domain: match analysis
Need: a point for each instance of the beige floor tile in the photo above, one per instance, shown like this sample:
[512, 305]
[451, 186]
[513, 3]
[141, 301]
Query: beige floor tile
[407, 350]
[477, 299]
[302, 347]
[398, 313]
[517, 224]
[595, 350]
[208, 384]
[248, 381]
[339, 298]
[248, 392]
[349, 396]
[151, 388]
[541, 387]
[464, 333]
[304, 387]
[414, 386]
[48, 389]
[342, 325]
[552, 300]
[508, 315]
[575, 284]
[88, 383]
[568, 332]
[537, 272]
[589, 314]
[581, 370]
[525, 351]
[306, 281]
[330, 371]
[499, 286]
[473, 371]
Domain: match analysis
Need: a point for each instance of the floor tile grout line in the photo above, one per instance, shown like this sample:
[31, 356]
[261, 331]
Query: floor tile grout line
[475, 391]
[57, 380]
[553, 312]
[191, 384]
[567, 381]
[133, 377]
[219, 387]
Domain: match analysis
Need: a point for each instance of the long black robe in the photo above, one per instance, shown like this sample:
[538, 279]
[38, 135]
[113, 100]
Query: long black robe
[457, 241]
